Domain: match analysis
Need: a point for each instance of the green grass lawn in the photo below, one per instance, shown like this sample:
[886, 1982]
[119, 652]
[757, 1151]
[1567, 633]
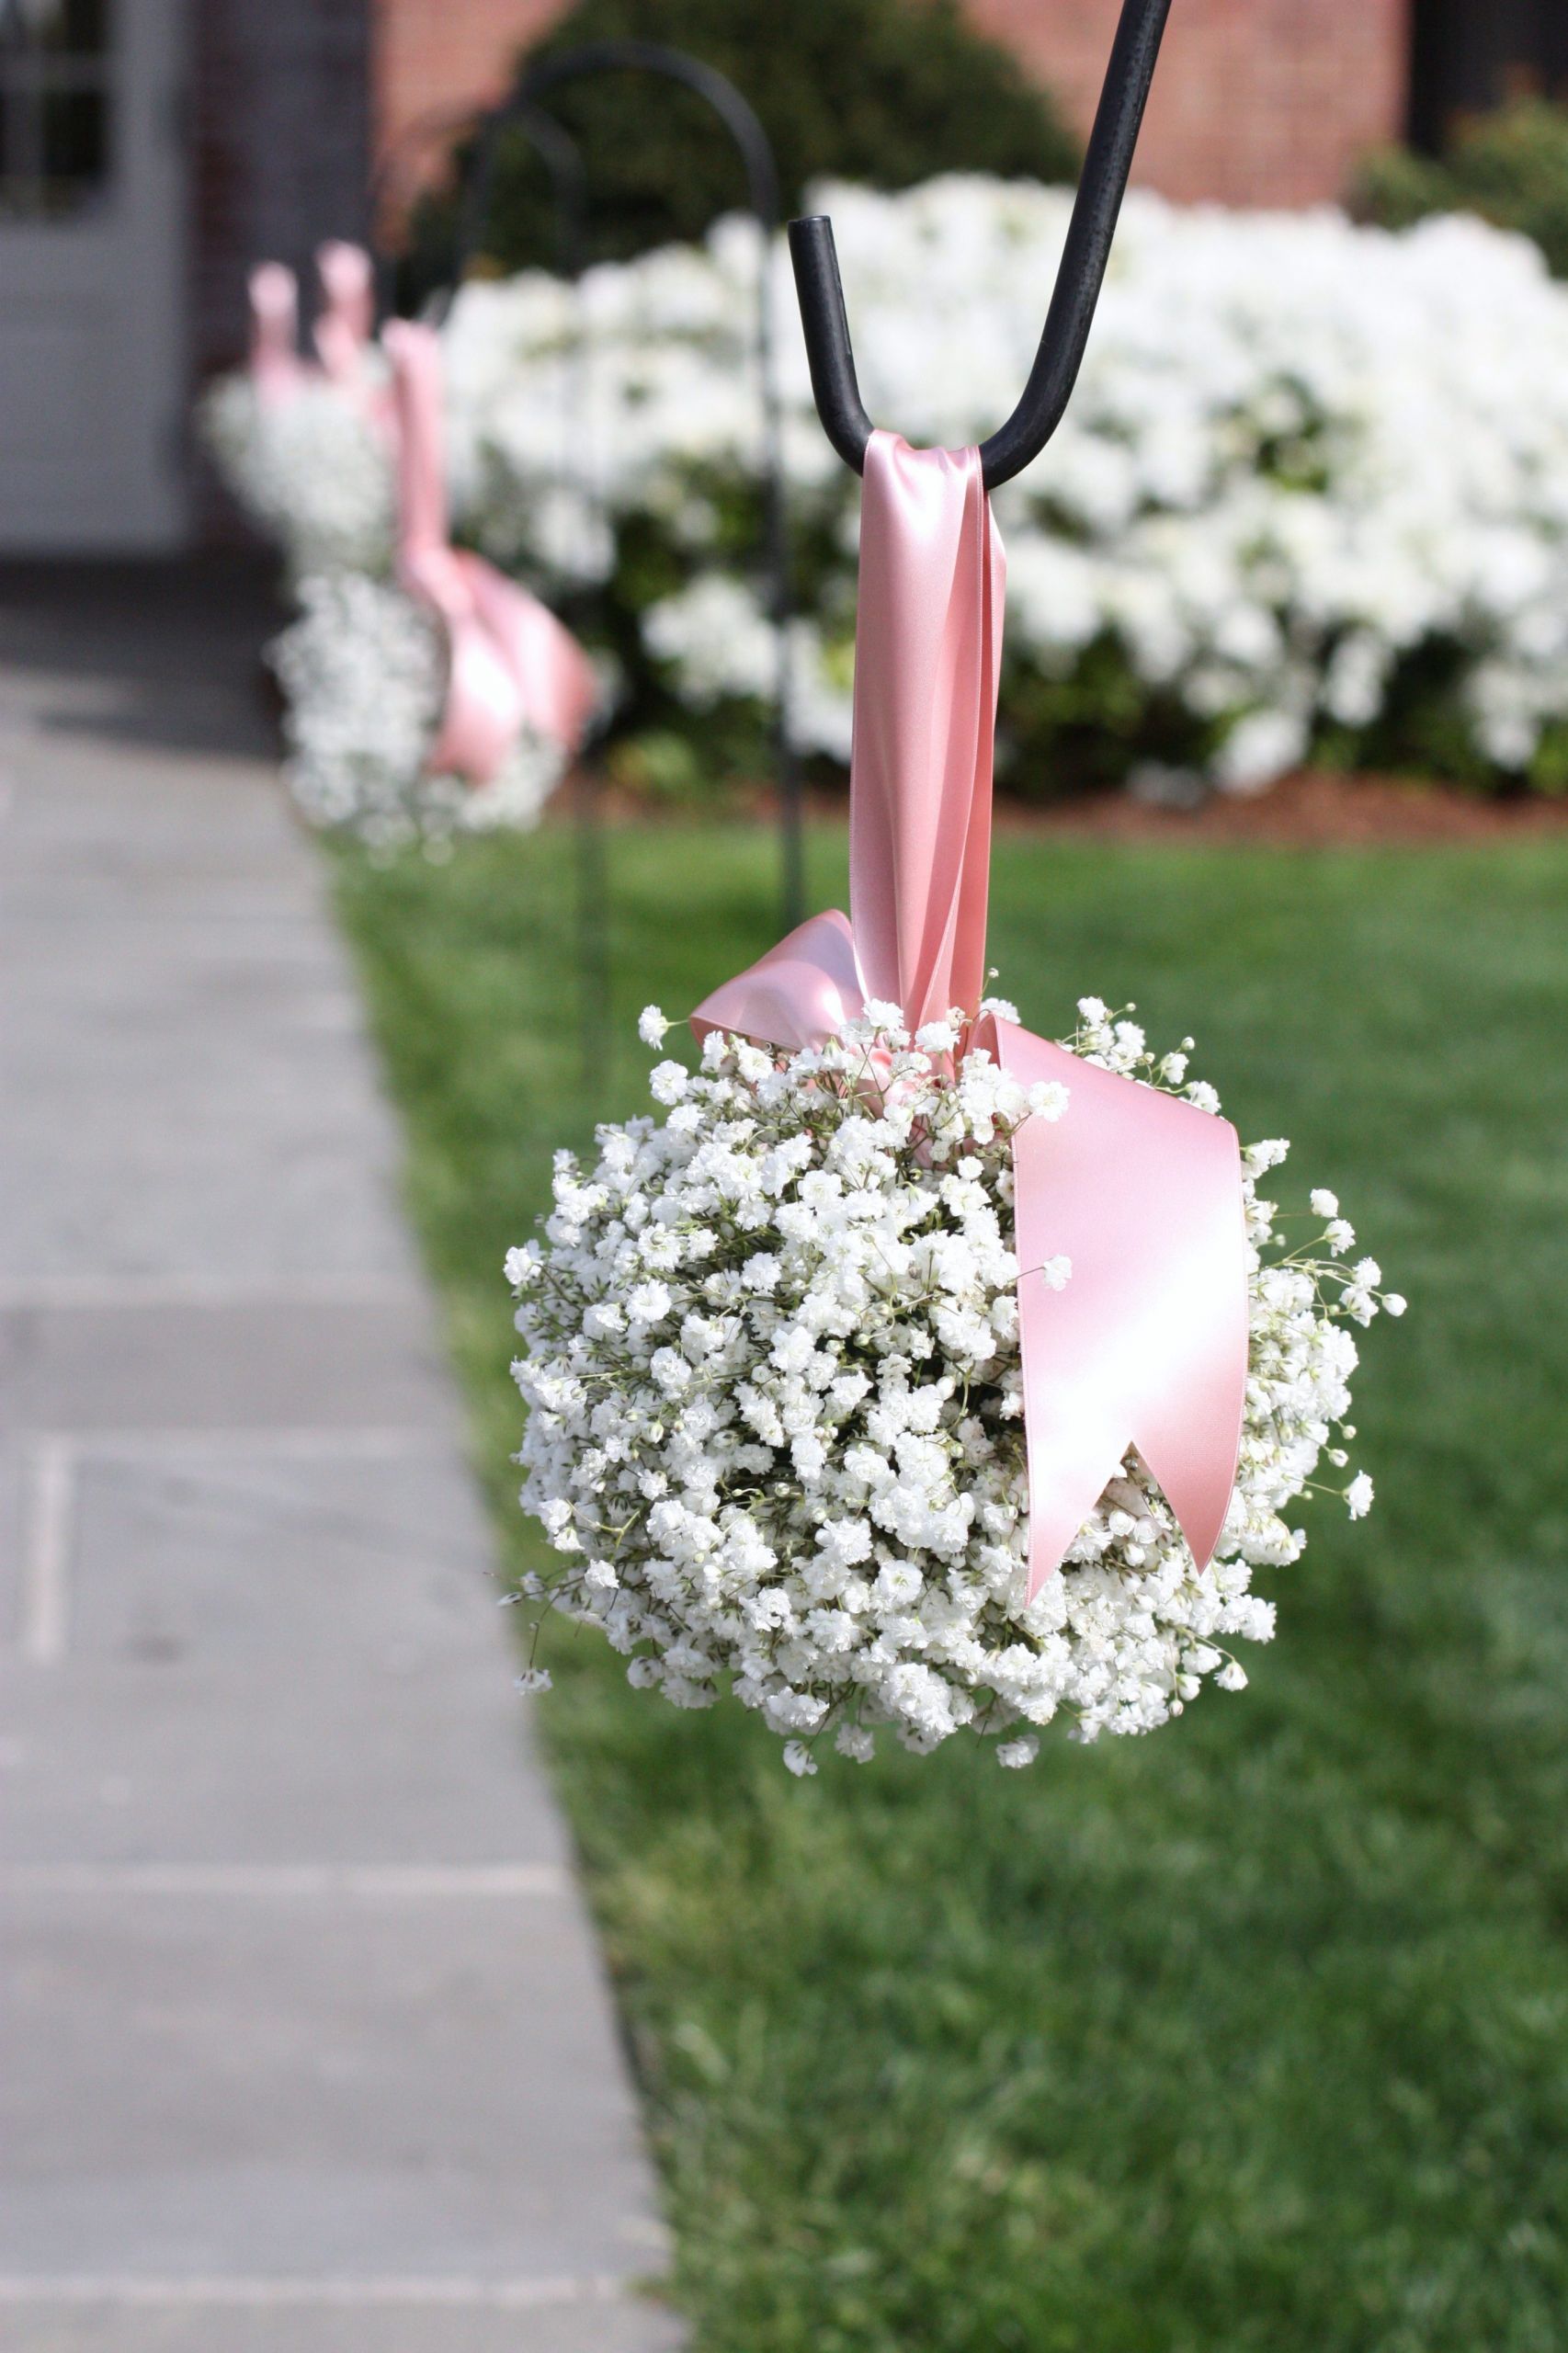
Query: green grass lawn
[1250, 2038]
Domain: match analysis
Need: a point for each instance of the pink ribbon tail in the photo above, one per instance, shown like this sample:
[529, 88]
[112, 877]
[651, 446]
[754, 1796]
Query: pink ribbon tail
[1145, 1344]
[511, 664]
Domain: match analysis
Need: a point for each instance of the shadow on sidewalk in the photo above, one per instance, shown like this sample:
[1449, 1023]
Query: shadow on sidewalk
[165, 653]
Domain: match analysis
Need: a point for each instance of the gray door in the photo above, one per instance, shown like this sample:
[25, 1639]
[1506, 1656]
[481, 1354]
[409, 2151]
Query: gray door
[92, 262]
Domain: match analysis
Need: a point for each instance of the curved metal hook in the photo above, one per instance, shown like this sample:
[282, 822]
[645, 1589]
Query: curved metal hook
[1078, 277]
[762, 188]
[563, 161]
[655, 57]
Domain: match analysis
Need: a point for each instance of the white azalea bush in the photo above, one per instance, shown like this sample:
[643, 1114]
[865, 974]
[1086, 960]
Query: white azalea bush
[770, 1356]
[363, 671]
[1311, 494]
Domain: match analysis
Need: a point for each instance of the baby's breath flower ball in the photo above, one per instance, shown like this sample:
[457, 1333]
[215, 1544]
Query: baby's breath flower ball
[311, 469]
[770, 1354]
[364, 677]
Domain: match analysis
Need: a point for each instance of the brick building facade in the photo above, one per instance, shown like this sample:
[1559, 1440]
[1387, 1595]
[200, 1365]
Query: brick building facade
[294, 104]
[1265, 102]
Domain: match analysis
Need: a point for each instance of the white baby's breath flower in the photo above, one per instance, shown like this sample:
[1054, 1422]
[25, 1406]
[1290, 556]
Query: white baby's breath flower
[1358, 1495]
[937, 1038]
[1323, 1203]
[363, 674]
[770, 1354]
[652, 1026]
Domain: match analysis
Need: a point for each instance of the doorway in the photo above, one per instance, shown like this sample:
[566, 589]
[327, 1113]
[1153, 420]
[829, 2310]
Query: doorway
[92, 268]
[1466, 58]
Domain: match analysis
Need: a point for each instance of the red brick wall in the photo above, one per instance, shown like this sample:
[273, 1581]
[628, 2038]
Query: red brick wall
[1255, 102]
[435, 58]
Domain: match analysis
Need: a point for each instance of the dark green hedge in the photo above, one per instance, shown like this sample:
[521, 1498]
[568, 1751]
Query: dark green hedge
[1510, 166]
[886, 92]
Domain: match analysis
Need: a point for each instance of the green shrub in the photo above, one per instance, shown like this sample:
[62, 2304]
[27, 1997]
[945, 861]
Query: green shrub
[885, 92]
[1510, 166]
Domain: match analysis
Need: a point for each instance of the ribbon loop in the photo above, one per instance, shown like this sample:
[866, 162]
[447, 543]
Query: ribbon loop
[1146, 1344]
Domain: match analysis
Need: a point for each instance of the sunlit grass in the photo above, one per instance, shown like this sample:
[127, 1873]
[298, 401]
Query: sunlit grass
[1251, 2038]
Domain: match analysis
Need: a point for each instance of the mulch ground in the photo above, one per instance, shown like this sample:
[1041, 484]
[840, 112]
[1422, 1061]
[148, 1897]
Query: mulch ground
[1312, 809]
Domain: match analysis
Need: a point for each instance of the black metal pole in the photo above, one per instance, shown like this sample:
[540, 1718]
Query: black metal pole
[762, 187]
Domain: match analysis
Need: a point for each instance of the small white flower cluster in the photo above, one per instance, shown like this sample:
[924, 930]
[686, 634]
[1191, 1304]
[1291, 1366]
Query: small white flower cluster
[775, 1437]
[363, 674]
[311, 471]
[1299, 453]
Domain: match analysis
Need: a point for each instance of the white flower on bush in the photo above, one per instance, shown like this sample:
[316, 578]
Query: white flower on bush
[363, 674]
[771, 1354]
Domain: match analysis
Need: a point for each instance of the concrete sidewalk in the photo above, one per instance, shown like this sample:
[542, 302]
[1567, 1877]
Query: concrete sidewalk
[308, 2045]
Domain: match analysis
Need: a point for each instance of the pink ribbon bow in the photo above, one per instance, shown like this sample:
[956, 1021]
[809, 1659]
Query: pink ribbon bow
[511, 664]
[1146, 1344]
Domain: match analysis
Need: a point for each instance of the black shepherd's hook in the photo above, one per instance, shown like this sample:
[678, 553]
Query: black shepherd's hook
[1072, 299]
[762, 188]
[563, 161]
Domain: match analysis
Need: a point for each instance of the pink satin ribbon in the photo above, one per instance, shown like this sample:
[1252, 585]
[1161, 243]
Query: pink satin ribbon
[511, 663]
[1146, 1345]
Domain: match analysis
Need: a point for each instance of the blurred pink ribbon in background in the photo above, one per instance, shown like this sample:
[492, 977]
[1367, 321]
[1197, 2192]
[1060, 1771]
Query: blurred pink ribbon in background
[343, 333]
[277, 369]
[511, 663]
[1146, 1344]
[346, 321]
